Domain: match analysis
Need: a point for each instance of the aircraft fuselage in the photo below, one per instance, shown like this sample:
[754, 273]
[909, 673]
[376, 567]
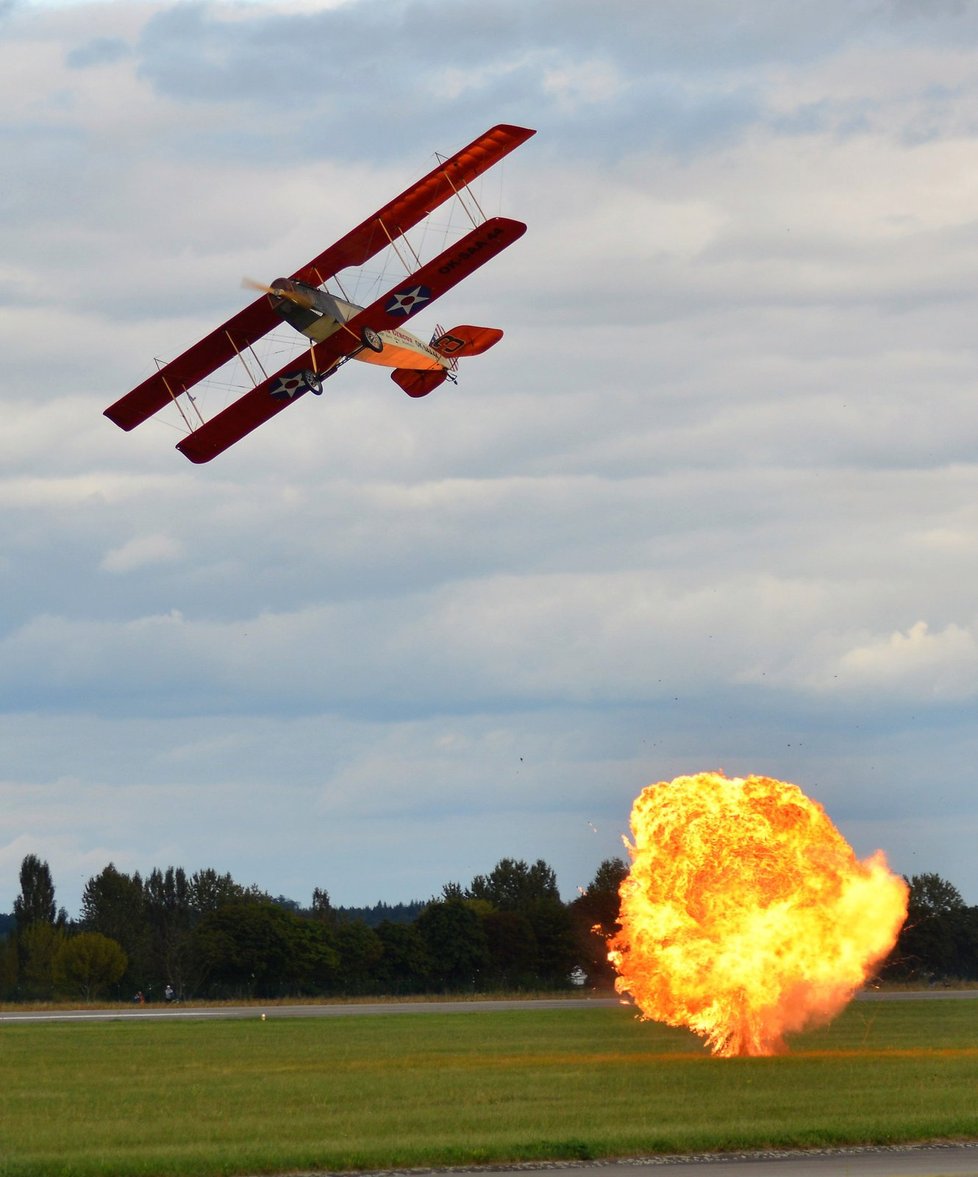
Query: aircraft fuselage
[318, 314]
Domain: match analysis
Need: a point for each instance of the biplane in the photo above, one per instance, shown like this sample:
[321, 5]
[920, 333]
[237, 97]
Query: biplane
[337, 329]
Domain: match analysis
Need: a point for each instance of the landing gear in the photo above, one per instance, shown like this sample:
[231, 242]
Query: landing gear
[313, 382]
[370, 339]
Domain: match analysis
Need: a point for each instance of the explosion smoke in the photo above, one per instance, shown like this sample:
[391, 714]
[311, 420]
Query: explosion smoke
[746, 915]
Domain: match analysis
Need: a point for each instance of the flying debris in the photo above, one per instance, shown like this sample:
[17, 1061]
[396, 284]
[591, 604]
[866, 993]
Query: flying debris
[746, 915]
[338, 329]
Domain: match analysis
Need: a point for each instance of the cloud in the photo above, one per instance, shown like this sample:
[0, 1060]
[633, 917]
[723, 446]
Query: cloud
[709, 504]
[97, 52]
[141, 551]
[916, 662]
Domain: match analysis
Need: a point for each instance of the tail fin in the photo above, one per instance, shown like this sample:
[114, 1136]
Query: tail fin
[418, 382]
[460, 341]
[466, 341]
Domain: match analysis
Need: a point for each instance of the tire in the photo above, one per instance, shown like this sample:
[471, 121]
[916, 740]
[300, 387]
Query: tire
[370, 339]
[313, 382]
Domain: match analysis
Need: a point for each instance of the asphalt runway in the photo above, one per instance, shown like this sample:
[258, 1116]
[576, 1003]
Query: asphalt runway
[311, 1010]
[177, 1011]
[945, 1160]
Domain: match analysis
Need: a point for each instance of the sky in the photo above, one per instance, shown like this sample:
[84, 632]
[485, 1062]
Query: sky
[712, 503]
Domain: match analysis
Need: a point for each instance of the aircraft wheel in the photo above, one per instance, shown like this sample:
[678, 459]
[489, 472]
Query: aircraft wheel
[313, 383]
[370, 338]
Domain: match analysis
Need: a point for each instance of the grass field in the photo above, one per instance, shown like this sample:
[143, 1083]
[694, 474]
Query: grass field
[233, 1097]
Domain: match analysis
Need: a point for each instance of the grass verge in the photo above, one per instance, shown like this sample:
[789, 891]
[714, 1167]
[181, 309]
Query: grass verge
[175, 1099]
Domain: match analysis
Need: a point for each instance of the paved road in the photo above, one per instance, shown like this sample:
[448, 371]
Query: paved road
[952, 1160]
[372, 1008]
[311, 1010]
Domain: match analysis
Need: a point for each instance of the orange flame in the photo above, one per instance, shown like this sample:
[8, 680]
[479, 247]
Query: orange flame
[746, 915]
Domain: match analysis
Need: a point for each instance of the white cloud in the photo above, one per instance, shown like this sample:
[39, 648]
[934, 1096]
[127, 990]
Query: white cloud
[578, 85]
[141, 551]
[916, 662]
[687, 515]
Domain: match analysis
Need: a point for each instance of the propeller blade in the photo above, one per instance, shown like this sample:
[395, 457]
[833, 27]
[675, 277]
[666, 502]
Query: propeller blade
[300, 299]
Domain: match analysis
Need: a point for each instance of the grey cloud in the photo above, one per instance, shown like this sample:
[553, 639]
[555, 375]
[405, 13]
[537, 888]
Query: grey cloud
[99, 51]
[724, 454]
[306, 74]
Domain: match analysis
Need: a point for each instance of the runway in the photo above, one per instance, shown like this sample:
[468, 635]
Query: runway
[344, 1009]
[347, 1009]
[945, 1160]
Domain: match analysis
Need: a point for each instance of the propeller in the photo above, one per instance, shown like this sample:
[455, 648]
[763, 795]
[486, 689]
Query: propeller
[298, 297]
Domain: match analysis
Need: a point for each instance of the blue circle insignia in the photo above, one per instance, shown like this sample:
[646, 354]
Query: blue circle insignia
[406, 302]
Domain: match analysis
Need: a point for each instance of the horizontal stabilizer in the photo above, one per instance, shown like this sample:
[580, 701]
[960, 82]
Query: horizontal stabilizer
[418, 383]
[466, 341]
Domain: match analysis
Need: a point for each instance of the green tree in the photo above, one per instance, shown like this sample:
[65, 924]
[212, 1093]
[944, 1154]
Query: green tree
[38, 946]
[39, 929]
[113, 904]
[88, 965]
[594, 915]
[360, 951]
[932, 895]
[455, 942]
[939, 939]
[35, 903]
[257, 949]
[513, 949]
[9, 968]
[513, 885]
[556, 945]
[168, 913]
[531, 891]
[405, 966]
[322, 910]
[208, 891]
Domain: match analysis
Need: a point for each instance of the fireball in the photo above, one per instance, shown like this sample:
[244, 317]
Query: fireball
[746, 915]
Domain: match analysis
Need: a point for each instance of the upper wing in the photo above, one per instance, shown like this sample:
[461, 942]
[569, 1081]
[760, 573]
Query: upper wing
[354, 249]
[391, 310]
[412, 206]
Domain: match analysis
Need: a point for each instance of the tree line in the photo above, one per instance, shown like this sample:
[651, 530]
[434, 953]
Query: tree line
[205, 935]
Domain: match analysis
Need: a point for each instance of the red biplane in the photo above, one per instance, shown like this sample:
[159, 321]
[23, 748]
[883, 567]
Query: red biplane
[338, 329]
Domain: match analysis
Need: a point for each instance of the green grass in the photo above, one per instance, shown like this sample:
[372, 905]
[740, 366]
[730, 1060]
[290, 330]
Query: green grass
[232, 1097]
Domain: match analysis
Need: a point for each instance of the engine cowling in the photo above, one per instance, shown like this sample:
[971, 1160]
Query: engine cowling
[295, 302]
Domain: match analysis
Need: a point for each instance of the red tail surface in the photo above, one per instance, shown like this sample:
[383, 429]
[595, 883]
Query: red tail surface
[466, 341]
[418, 383]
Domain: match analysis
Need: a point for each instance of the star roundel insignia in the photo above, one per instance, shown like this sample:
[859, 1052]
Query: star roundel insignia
[406, 302]
[287, 386]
